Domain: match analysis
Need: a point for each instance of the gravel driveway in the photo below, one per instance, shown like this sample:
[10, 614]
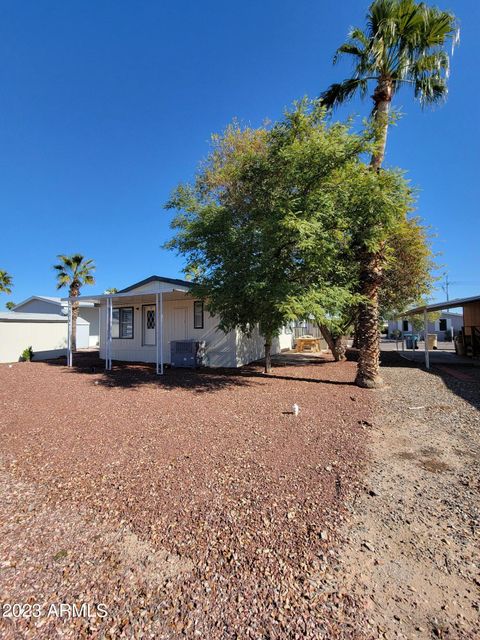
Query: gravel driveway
[195, 505]
[412, 550]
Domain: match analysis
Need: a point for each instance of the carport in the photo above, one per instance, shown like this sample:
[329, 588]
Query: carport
[470, 334]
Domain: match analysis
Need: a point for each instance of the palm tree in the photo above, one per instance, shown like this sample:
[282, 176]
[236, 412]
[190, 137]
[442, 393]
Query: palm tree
[10, 305]
[73, 272]
[403, 45]
[6, 282]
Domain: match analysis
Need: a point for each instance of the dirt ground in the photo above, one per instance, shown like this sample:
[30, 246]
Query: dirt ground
[195, 505]
[412, 549]
[198, 505]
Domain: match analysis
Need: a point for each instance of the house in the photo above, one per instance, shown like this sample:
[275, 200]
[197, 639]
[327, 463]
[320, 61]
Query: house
[141, 322]
[46, 333]
[446, 327]
[89, 311]
[467, 341]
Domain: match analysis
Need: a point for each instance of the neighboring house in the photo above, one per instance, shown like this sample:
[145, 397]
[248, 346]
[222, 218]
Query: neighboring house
[46, 333]
[47, 304]
[149, 315]
[448, 325]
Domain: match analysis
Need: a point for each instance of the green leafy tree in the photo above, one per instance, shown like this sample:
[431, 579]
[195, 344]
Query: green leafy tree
[403, 45]
[74, 272]
[111, 290]
[268, 228]
[6, 282]
[10, 305]
[407, 275]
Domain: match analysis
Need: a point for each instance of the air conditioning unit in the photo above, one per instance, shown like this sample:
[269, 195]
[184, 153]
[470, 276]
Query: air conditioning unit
[187, 353]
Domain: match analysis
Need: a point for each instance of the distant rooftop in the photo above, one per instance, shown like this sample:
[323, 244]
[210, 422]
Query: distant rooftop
[442, 306]
[52, 299]
[180, 283]
[18, 316]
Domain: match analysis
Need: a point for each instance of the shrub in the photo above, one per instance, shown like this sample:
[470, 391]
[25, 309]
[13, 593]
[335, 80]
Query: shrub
[27, 355]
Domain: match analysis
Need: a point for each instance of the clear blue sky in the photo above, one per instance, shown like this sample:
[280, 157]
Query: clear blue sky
[106, 106]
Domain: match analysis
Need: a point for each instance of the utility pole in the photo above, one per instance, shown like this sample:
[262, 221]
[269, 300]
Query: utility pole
[446, 285]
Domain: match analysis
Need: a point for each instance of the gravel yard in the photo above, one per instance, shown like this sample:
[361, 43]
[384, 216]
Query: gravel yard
[198, 505]
[412, 549]
[195, 505]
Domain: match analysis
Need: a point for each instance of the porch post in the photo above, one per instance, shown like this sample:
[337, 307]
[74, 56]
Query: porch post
[161, 332]
[157, 327]
[69, 335]
[110, 320]
[107, 309]
[425, 325]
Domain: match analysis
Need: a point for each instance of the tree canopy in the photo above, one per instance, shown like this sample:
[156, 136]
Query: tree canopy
[273, 224]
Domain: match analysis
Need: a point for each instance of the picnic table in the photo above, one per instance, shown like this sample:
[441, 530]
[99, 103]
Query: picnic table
[308, 343]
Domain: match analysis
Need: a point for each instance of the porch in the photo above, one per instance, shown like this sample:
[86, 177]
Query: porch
[140, 326]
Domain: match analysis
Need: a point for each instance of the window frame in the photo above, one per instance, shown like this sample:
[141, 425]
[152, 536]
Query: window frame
[120, 310]
[195, 305]
[440, 321]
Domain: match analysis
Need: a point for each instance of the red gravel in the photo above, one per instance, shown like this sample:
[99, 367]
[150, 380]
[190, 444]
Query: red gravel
[193, 505]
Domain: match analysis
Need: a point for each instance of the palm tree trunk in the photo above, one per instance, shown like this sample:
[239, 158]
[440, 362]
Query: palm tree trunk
[74, 325]
[268, 354]
[382, 97]
[368, 337]
[75, 306]
[368, 371]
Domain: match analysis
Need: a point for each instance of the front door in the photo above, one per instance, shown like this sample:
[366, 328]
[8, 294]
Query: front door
[179, 323]
[149, 333]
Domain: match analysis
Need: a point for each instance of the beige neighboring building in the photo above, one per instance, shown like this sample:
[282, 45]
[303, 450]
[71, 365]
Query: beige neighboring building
[49, 304]
[46, 333]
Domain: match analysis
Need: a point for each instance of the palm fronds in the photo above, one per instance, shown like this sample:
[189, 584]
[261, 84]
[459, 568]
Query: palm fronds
[403, 43]
[74, 272]
[6, 282]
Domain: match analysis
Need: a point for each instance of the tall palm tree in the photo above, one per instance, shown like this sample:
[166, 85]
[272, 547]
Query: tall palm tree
[6, 282]
[74, 272]
[403, 45]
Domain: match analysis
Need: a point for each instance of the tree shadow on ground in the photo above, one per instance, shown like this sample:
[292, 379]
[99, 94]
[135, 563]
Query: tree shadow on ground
[462, 379]
[131, 375]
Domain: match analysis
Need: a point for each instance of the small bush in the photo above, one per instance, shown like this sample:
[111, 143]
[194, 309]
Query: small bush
[27, 355]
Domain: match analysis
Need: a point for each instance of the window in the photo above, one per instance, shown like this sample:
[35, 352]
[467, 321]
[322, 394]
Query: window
[122, 322]
[442, 324]
[198, 314]
[405, 325]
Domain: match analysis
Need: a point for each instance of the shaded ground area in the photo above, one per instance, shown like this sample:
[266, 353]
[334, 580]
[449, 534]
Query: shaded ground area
[192, 505]
[412, 552]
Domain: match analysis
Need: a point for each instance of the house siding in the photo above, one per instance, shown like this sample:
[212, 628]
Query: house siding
[251, 348]
[220, 347]
[38, 306]
[454, 322]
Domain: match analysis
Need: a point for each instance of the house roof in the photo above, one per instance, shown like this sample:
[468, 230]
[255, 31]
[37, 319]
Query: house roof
[52, 299]
[174, 281]
[442, 306]
[17, 316]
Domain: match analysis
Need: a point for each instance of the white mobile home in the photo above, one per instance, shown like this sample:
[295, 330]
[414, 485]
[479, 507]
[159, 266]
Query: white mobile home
[140, 323]
[446, 326]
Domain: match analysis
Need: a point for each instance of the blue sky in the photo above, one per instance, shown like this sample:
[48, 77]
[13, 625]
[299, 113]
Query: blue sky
[106, 106]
